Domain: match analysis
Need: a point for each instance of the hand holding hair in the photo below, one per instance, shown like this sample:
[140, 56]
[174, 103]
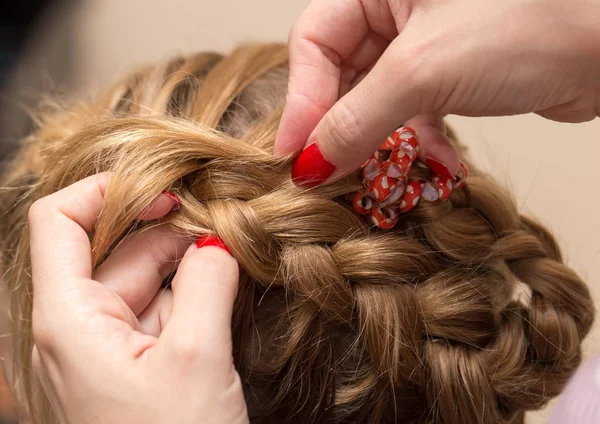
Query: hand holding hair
[112, 347]
[359, 69]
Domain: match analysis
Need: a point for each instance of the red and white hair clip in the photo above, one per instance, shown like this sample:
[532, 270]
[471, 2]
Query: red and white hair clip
[387, 191]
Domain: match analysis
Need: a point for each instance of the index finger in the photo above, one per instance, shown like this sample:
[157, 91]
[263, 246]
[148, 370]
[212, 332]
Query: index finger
[327, 32]
[58, 232]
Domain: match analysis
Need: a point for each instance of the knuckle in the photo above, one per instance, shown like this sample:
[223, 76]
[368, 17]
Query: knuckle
[185, 348]
[153, 243]
[422, 70]
[301, 29]
[38, 209]
[192, 350]
[343, 127]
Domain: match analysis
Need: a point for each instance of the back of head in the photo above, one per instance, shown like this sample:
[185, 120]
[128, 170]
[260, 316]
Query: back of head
[464, 313]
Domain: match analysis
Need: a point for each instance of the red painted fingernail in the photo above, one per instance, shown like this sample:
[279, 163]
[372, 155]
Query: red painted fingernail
[310, 168]
[439, 168]
[208, 240]
[173, 196]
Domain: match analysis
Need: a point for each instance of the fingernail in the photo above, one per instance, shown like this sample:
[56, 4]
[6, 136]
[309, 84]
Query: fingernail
[173, 196]
[310, 168]
[214, 241]
[439, 168]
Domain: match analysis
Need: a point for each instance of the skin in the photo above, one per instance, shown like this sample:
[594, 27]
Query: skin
[110, 346]
[361, 68]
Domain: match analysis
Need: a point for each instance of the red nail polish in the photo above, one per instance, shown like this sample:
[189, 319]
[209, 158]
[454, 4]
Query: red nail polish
[208, 240]
[310, 168]
[439, 168]
[174, 197]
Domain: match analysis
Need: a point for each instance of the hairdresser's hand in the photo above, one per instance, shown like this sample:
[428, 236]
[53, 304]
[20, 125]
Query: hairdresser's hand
[114, 348]
[360, 68]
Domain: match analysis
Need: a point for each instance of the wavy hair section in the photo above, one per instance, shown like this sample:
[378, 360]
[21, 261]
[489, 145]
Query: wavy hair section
[464, 314]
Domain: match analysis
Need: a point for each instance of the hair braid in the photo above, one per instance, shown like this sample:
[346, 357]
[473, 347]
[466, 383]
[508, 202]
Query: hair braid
[463, 314]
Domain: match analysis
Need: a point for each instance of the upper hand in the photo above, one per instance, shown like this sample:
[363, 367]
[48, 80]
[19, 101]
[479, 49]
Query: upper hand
[361, 68]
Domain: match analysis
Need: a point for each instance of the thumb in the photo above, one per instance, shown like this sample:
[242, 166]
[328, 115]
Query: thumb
[389, 95]
[204, 290]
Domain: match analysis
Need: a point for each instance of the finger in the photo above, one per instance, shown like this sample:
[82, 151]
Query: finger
[327, 33]
[162, 205]
[137, 267]
[436, 150]
[358, 123]
[204, 290]
[59, 226]
[156, 315]
[365, 55]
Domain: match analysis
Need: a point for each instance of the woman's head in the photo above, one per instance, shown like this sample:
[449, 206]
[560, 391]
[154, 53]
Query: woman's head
[464, 313]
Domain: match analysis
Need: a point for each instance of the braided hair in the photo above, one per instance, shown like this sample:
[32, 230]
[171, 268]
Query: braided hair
[463, 313]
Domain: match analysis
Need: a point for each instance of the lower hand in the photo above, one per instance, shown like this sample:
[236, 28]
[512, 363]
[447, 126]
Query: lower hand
[110, 345]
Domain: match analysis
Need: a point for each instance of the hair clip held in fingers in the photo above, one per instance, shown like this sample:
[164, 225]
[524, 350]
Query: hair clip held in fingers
[387, 191]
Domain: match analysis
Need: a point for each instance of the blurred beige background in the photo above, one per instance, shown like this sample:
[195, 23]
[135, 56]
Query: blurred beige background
[551, 167]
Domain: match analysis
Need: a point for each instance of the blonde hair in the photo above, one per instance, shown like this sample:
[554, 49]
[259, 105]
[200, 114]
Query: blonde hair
[463, 314]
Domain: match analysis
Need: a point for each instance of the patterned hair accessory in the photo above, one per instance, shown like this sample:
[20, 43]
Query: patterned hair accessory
[386, 189]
